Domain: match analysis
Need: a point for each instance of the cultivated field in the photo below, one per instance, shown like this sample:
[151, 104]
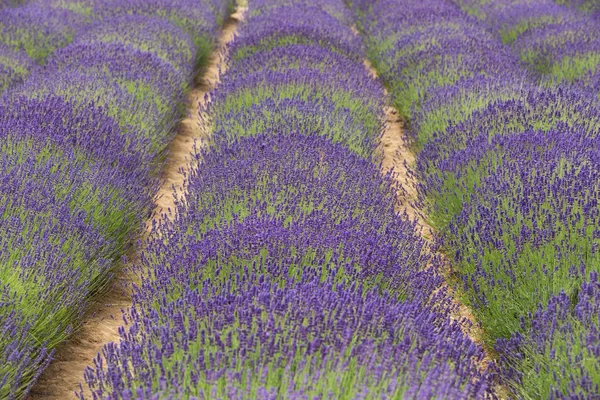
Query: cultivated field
[299, 199]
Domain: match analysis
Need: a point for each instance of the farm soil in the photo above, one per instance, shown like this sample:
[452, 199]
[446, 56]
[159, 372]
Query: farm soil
[397, 156]
[62, 378]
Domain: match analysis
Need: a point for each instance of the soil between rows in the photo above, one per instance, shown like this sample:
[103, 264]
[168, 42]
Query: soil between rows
[398, 156]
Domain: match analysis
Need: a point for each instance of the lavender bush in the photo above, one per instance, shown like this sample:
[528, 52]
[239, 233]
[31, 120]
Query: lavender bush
[80, 140]
[508, 175]
[199, 22]
[255, 290]
[287, 272]
[28, 34]
[15, 66]
[558, 43]
[435, 48]
[38, 28]
[587, 6]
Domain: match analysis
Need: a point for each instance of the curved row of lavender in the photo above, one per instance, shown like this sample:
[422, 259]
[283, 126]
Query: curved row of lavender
[32, 31]
[287, 272]
[560, 43]
[29, 33]
[81, 138]
[510, 174]
[591, 7]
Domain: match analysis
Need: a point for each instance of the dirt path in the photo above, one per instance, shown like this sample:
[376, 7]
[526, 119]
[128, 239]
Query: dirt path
[398, 156]
[61, 379]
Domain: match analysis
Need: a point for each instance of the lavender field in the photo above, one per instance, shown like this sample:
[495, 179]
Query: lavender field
[299, 199]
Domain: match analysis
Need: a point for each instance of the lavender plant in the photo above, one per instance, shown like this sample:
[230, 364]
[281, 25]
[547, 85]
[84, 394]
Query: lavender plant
[293, 247]
[303, 100]
[587, 6]
[331, 7]
[301, 85]
[64, 215]
[556, 42]
[150, 34]
[287, 272]
[8, 3]
[15, 66]
[33, 31]
[509, 178]
[435, 48]
[523, 108]
[28, 34]
[565, 330]
[80, 141]
[198, 22]
[284, 26]
[38, 30]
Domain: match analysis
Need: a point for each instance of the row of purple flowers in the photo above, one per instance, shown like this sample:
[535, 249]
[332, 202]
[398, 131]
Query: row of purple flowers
[287, 272]
[92, 91]
[501, 103]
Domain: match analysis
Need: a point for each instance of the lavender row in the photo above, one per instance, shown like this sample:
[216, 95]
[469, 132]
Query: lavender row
[509, 174]
[590, 7]
[561, 44]
[81, 138]
[31, 32]
[287, 272]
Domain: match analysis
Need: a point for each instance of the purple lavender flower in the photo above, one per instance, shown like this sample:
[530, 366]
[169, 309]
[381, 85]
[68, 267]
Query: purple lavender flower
[15, 66]
[287, 272]
[509, 170]
[79, 142]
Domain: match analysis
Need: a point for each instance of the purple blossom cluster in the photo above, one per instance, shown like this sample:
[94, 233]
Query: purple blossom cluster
[561, 44]
[199, 22]
[290, 74]
[587, 6]
[80, 139]
[37, 28]
[565, 319]
[31, 32]
[509, 174]
[287, 272]
[15, 66]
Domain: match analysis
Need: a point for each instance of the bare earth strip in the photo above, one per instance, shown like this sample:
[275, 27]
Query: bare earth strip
[62, 378]
[397, 156]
